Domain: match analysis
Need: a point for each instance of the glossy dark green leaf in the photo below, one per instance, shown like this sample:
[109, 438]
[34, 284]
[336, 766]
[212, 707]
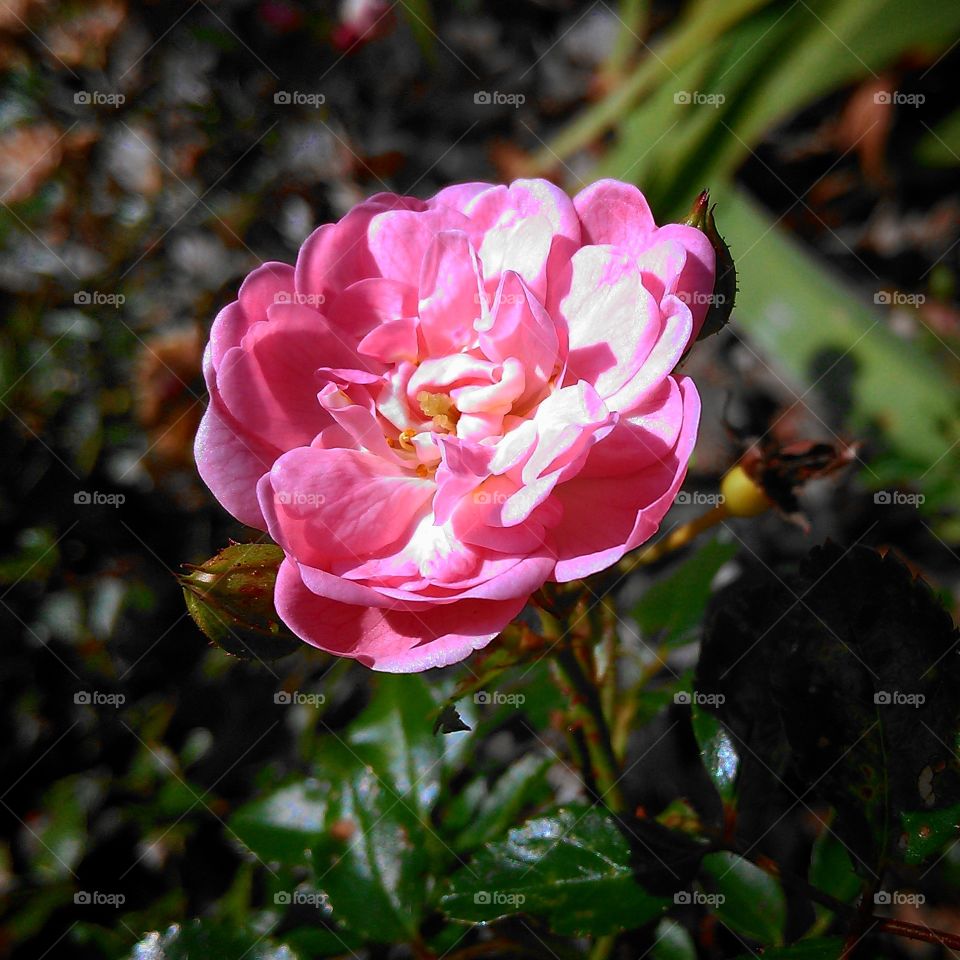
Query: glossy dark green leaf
[831, 869]
[523, 785]
[717, 751]
[201, 939]
[396, 730]
[927, 832]
[750, 901]
[285, 825]
[571, 867]
[841, 682]
[373, 863]
[672, 608]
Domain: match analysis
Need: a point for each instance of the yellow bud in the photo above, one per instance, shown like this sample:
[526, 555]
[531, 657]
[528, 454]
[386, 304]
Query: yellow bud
[742, 495]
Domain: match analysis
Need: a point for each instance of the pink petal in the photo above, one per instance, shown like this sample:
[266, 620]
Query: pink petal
[259, 290]
[268, 383]
[337, 254]
[392, 342]
[231, 465]
[519, 326]
[322, 505]
[587, 539]
[399, 239]
[662, 360]
[450, 288]
[391, 640]
[364, 306]
[613, 322]
[613, 212]
[695, 284]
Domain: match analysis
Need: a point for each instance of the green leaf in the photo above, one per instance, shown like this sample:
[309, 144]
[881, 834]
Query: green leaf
[674, 605]
[523, 785]
[672, 941]
[827, 948]
[753, 904]
[396, 732]
[847, 697]
[373, 864]
[927, 832]
[284, 825]
[571, 867]
[719, 755]
[211, 942]
[831, 869]
[940, 147]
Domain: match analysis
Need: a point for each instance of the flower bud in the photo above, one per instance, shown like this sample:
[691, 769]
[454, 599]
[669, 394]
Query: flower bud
[725, 284]
[230, 597]
[742, 495]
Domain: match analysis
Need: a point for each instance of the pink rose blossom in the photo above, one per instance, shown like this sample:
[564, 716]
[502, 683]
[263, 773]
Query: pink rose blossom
[447, 403]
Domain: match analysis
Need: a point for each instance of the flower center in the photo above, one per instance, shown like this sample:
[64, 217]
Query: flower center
[441, 409]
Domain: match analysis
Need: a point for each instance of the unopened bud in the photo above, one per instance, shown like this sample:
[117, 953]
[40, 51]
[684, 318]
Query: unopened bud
[230, 597]
[725, 284]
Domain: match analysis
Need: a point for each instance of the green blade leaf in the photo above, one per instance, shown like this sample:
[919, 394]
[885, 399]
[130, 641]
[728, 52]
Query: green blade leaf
[753, 904]
[572, 867]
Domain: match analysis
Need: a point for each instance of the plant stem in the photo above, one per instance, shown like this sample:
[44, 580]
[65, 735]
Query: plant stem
[606, 766]
[675, 540]
[915, 931]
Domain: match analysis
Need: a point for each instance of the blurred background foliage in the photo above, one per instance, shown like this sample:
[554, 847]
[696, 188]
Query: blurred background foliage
[147, 163]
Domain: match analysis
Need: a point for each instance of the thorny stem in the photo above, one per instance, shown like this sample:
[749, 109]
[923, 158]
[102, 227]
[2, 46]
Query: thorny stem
[589, 709]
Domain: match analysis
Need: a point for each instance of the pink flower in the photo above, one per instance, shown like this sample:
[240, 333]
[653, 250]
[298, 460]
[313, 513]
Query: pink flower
[447, 403]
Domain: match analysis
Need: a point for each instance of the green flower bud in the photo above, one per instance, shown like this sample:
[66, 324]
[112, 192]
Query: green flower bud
[230, 597]
[725, 284]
